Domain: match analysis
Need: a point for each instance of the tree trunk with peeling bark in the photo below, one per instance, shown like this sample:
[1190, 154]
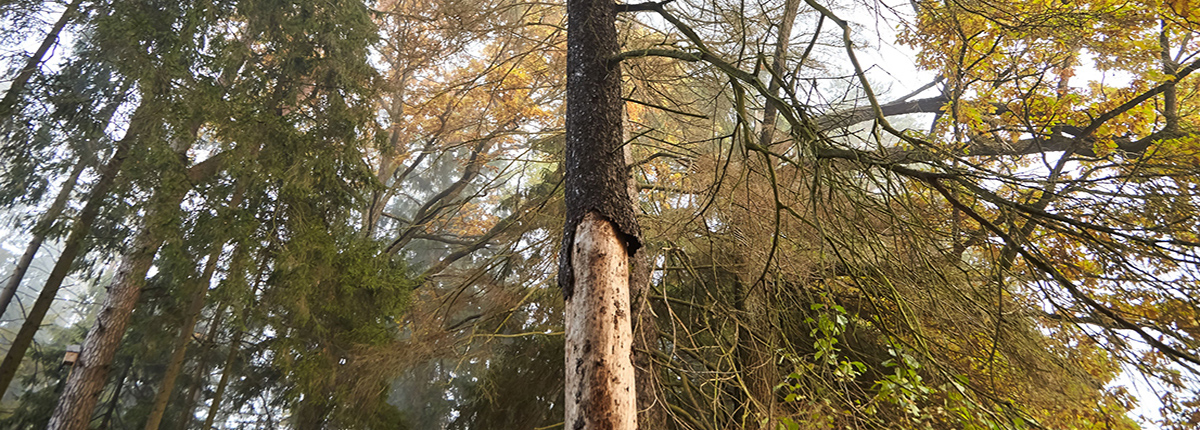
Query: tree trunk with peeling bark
[601, 232]
[600, 376]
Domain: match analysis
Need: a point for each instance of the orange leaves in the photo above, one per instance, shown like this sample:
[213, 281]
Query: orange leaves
[1184, 8]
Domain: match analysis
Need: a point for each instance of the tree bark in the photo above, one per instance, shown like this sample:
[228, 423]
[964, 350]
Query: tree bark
[596, 175]
[9, 103]
[39, 236]
[74, 410]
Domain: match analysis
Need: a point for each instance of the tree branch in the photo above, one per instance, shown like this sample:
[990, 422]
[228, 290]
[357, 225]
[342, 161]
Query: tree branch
[642, 7]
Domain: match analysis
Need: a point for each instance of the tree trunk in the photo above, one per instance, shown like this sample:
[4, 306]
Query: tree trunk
[75, 407]
[107, 420]
[9, 103]
[601, 231]
[219, 395]
[74, 410]
[389, 160]
[179, 351]
[652, 408]
[74, 243]
[39, 236]
[778, 63]
[193, 395]
[756, 338]
[756, 364]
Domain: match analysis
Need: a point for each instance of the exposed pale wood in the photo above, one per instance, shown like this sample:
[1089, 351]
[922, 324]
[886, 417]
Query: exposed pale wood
[600, 375]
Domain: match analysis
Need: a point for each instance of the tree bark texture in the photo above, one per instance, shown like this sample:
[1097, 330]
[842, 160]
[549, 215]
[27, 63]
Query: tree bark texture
[75, 407]
[600, 388]
[39, 236]
[601, 232]
[597, 178]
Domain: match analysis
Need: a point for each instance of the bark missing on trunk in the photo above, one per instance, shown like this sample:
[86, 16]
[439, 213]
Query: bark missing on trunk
[600, 375]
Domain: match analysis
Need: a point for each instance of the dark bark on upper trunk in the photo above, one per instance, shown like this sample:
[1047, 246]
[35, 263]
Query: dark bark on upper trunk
[596, 175]
[601, 228]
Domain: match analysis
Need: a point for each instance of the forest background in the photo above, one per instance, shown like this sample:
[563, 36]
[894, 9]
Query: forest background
[345, 214]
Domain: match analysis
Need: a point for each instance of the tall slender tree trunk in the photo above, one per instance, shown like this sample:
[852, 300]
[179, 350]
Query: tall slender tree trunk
[188, 414]
[39, 236]
[71, 249]
[111, 410]
[9, 103]
[195, 306]
[219, 394]
[74, 410]
[389, 160]
[756, 338]
[86, 158]
[601, 232]
[75, 407]
[179, 351]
